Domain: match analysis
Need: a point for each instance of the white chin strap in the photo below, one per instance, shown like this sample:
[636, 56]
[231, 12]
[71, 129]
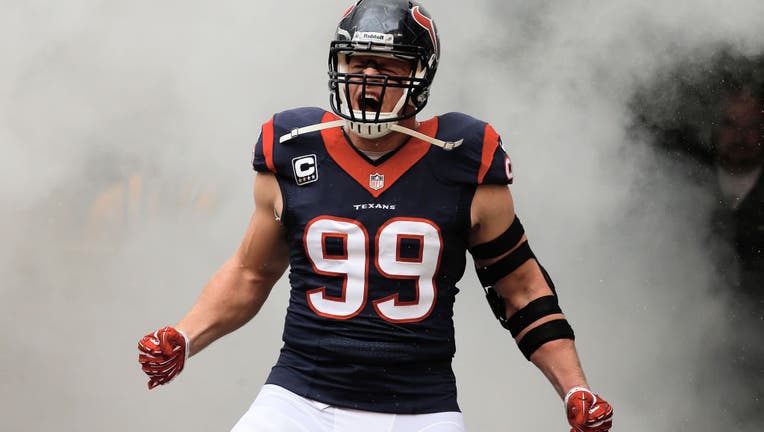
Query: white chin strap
[375, 130]
[389, 127]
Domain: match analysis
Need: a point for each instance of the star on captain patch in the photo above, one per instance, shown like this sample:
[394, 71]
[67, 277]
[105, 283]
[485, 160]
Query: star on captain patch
[376, 181]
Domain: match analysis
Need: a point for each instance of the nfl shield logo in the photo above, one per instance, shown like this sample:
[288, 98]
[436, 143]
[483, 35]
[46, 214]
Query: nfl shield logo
[376, 181]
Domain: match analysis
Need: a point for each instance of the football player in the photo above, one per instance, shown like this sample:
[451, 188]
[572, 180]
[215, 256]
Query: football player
[373, 212]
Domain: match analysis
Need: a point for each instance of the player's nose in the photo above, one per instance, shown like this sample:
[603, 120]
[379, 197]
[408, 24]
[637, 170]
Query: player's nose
[371, 68]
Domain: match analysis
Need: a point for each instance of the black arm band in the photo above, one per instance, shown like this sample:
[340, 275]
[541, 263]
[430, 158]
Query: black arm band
[549, 331]
[500, 244]
[491, 273]
[538, 308]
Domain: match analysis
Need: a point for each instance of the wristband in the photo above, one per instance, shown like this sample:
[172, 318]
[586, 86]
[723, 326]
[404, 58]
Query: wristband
[188, 343]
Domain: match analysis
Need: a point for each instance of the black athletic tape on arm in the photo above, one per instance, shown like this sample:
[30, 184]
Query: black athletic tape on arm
[538, 308]
[549, 331]
[500, 244]
[491, 273]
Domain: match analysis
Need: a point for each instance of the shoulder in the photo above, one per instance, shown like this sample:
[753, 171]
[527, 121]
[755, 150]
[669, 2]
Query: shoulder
[284, 121]
[268, 152]
[481, 157]
[297, 117]
[461, 124]
[478, 136]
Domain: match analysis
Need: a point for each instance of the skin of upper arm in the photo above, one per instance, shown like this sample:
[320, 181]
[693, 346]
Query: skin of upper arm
[263, 250]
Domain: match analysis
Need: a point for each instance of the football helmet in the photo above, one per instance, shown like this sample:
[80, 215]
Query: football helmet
[398, 29]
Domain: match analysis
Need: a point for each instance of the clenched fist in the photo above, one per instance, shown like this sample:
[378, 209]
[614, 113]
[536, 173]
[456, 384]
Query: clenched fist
[162, 355]
[587, 412]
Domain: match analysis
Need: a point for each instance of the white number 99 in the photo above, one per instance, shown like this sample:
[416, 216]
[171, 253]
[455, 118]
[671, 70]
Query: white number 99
[352, 263]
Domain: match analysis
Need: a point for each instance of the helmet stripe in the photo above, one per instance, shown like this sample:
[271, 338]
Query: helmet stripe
[428, 25]
[347, 12]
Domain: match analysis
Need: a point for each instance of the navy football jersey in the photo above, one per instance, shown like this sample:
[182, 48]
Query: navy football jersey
[376, 250]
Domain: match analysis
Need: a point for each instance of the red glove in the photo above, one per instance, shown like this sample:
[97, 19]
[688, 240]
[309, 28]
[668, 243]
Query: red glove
[162, 355]
[588, 412]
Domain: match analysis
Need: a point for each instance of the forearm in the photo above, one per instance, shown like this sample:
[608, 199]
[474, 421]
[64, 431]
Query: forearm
[558, 361]
[231, 298]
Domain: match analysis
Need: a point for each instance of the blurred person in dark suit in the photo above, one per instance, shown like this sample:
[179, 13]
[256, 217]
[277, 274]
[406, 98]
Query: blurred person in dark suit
[738, 182]
[739, 157]
[707, 126]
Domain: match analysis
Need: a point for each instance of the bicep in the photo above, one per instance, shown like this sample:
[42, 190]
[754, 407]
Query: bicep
[263, 249]
[493, 211]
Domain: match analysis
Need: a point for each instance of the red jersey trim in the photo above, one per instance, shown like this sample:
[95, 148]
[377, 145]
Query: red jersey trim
[361, 170]
[490, 143]
[268, 145]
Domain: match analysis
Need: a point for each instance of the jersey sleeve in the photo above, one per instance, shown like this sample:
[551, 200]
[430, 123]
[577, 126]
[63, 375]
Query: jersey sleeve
[495, 165]
[269, 154]
[262, 156]
[481, 159]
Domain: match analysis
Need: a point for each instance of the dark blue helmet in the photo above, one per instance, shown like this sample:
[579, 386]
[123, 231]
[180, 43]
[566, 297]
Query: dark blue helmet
[390, 28]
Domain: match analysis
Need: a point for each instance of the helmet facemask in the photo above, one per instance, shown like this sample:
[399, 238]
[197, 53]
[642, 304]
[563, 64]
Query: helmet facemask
[387, 29]
[368, 119]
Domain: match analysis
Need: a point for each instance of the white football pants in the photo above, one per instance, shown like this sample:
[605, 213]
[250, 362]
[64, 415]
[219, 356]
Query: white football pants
[278, 410]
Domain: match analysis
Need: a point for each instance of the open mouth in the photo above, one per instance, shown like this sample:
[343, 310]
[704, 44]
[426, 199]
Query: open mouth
[369, 103]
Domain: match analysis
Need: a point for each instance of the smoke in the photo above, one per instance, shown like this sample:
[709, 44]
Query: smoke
[126, 132]
[624, 236]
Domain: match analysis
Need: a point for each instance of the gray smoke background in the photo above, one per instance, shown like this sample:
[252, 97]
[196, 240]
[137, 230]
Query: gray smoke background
[125, 136]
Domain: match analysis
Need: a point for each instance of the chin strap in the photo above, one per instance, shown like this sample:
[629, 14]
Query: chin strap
[445, 145]
[294, 133]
